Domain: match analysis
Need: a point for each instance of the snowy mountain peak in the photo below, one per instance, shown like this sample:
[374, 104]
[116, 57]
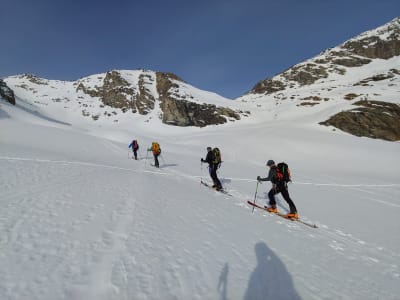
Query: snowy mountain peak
[142, 94]
[380, 43]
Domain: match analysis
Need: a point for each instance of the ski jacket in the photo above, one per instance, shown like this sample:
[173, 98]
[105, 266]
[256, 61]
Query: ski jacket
[271, 175]
[209, 158]
[133, 146]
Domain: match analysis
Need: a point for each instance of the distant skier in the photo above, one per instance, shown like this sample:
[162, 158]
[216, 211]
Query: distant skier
[213, 159]
[135, 147]
[155, 148]
[279, 185]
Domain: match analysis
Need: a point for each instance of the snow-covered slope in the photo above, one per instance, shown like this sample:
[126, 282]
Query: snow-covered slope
[79, 220]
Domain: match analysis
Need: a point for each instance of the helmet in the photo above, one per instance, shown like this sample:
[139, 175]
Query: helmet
[270, 163]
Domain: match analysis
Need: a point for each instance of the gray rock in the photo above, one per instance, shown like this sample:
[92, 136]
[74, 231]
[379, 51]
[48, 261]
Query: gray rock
[6, 92]
[180, 112]
[373, 119]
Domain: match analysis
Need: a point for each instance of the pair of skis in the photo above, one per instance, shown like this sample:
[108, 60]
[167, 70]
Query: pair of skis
[209, 186]
[283, 215]
[260, 207]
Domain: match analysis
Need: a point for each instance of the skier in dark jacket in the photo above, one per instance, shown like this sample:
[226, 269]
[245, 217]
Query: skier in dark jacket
[278, 187]
[135, 147]
[212, 167]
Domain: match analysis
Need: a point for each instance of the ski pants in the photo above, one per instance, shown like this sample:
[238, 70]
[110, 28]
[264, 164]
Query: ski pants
[156, 163]
[213, 175]
[135, 152]
[282, 188]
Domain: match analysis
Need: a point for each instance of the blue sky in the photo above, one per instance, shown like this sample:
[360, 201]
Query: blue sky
[224, 46]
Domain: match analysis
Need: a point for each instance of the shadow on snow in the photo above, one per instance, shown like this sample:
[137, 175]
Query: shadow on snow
[270, 279]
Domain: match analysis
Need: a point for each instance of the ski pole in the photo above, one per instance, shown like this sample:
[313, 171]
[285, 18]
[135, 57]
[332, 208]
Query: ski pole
[140, 155]
[255, 196]
[201, 173]
[147, 154]
[162, 158]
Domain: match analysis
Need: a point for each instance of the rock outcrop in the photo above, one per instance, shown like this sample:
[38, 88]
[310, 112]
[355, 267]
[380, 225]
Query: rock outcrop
[374, 119]
[6, 92]
[176, 109]
[181, 112]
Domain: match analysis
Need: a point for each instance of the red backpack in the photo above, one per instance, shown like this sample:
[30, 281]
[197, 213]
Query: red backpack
[282, 173]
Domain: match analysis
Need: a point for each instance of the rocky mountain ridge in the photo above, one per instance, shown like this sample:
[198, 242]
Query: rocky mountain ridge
[137, 92]
[347, 81]
[380, 43]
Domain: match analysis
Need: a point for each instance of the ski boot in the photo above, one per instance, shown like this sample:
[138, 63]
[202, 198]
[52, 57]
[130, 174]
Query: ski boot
[271, 209]
[291, 215]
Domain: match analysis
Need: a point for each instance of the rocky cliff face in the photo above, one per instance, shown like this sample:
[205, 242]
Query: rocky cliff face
[381, 43]
[183, 112]
[6, 92]
[116, 92]
[178, 110]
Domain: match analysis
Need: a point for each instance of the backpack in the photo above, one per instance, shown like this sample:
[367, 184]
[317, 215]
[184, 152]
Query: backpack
[282, 173]
[135, 144]
[155, 147]
[216, 156]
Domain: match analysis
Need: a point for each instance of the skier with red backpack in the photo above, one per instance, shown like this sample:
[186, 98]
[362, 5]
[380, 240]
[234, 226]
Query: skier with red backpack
[135, 147]
[279, 175]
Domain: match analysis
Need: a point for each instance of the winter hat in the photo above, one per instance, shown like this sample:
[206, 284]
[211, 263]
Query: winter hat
[270, 162]
[208, 148]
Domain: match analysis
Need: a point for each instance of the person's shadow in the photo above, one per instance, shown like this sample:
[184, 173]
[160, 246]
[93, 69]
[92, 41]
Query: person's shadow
[270, 279]
[223, 283]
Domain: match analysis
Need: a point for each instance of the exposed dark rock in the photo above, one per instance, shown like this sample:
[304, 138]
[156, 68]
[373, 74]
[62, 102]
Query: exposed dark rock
[144, 101]
[268, 86]
[350, 96]
[181, 112]
[392, 73]
[307, 103]
[374, 47]
[34, 79]
[6, 92]
[313, 98]
[116, 91]
[351, 61]
[306, 74]
[374, 119]
[303, 74]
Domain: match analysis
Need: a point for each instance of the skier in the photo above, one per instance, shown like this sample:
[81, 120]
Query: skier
[214, 161]
[278, 186]
[135, 147]
[155, 148]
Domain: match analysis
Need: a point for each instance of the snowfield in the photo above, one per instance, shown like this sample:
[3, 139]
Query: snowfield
[80, 219]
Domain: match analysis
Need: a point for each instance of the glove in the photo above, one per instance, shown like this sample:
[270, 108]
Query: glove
[258, 178]
[202, 160]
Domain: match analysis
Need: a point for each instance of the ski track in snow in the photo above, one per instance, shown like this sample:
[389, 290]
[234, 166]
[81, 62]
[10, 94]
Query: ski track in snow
[116, 263]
